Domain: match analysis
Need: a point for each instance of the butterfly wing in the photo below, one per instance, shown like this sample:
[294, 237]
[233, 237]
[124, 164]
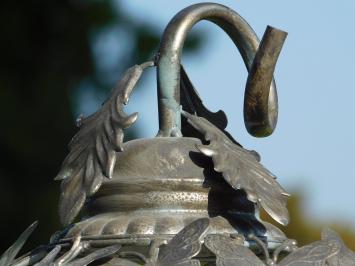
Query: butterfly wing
[314, 254]
[231, 252]
[241, 169]
[184, 245]
[345, 256]
[94, 149]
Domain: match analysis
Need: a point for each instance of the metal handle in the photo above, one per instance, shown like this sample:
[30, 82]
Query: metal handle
[260, 107]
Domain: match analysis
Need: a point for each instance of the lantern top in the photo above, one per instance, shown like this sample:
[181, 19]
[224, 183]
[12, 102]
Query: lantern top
[154, 187]
[193, 193]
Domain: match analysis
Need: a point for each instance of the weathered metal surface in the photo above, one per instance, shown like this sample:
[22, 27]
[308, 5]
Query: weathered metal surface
[241, 168]
[192, 194]
[156, 187]
[161, 200]
[344, 256]
[160, 185]
[329, 251]
[260, 105]
[261, 119]
[94, 149]
[186, 248]
[10, 254]
[231, 251]
[53, 255]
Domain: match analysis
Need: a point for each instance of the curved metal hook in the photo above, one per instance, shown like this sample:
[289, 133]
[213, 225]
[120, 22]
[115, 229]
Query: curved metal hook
[260, 107]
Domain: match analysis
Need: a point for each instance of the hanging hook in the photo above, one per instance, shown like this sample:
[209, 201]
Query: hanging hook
[260, 101]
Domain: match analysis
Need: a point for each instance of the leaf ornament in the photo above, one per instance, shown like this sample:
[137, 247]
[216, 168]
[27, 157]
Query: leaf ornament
[94, 256]
[241, 169]
[49, 255]
[330, 251]
[10, 254]
[94, 149]
[70, 258]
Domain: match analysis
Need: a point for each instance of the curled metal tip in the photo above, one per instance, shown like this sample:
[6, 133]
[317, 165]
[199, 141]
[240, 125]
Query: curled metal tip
[260, 100]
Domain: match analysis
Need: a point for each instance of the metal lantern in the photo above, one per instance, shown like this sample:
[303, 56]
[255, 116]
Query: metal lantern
[192, 194]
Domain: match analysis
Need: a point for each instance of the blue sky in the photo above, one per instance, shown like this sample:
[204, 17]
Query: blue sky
[312, 147]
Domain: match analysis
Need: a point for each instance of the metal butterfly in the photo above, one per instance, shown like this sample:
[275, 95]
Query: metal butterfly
[179, 251]
[230, 252]
[329, 251]
[345, 256]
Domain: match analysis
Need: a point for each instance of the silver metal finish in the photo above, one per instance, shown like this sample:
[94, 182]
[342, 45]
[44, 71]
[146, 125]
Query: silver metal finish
[260, 104]
[170, 185]
[185, 249]
[231, 251]
[328, 251]
[72, 257]
[241, 169]
[259, 121]
[190, 195]
[10, 254]
[95, 148]
[156, 187]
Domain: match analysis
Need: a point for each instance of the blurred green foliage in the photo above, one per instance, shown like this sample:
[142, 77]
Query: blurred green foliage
[304, 230]
[46, 52]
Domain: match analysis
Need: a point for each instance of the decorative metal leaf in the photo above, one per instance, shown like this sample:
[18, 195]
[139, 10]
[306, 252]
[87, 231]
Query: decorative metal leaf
[96, 255]
[184, 245]
[231, 252]
[121, 262]
[10, 254]
[187, 263]
[314, 254]
[74, 251]
[69, 258]
[241, 169]
[50, 257]
[345, 256]
[93, 150]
